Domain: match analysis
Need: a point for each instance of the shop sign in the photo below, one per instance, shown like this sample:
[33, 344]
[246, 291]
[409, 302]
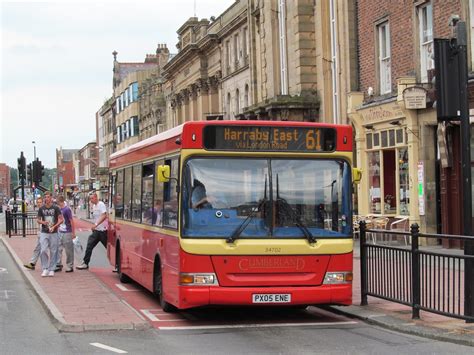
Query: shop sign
[381, 113]
[415, 98]
[421, 188]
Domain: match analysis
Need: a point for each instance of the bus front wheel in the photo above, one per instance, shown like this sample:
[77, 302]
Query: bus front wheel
[158, 288]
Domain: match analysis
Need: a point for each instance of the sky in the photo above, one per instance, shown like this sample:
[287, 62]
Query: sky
[56, 64]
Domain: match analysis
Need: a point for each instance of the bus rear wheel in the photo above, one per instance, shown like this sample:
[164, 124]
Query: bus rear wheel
[118, 266]
[158, 290]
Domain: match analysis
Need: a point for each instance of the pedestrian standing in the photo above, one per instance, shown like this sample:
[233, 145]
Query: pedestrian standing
[67, 232]
[99, 229]
[36, 252]
[49, 217]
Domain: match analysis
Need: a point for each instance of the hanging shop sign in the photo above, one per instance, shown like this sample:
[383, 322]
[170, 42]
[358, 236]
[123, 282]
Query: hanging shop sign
[414, 97]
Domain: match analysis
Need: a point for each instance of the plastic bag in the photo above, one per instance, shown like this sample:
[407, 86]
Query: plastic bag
[78, 249]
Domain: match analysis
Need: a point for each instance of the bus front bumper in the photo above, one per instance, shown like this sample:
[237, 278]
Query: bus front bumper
[190, 297]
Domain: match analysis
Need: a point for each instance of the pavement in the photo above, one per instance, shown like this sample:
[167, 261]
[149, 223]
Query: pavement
[82, 302]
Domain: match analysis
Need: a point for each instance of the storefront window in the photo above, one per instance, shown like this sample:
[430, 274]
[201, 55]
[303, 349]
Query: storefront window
[404, 197]
[389, 183]
[374, 182]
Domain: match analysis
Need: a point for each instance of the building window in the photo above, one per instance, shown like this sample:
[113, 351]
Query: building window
[237, 102]
[374, 182]
[119, 134]
[245, 45]
[389, 191]
[124, 133]
[134, 91]
[404, 178]
[133, 126]
[425, 21]
[237, 51]
[125, 94]
[246, 96]
[228, 106]
[227, 56]
[383, 31]
[117, 105]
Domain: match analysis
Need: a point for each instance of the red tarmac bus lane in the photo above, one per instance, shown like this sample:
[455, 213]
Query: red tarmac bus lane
[148, 307]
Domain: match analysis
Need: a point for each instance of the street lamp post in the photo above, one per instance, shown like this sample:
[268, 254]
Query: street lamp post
[34, 149]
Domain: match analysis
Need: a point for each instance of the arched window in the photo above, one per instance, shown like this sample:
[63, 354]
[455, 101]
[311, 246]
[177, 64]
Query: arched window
[246, 96]
[237, 102]
[228, 106]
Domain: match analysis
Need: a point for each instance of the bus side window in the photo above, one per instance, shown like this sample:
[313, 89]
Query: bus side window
[127, 194]
[158, 196]
[170, 196]
[118, 197]
[137, 193]
[149, 214]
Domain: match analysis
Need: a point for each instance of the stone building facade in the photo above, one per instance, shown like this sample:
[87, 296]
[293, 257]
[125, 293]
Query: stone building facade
[265, 60]
[301, 61]
[128, 86]
[192, 86]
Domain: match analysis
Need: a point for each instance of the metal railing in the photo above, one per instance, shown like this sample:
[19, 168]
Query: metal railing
[432, 281]
[18, 223]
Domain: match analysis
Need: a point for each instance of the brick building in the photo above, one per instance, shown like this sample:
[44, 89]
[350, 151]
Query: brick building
[5, 182]
[396, 140]
[66, 177]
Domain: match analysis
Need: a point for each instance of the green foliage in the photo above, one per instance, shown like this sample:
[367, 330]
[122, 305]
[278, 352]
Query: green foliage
[14, 176]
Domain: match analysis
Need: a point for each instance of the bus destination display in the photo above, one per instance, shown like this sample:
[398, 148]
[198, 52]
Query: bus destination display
[295, 139]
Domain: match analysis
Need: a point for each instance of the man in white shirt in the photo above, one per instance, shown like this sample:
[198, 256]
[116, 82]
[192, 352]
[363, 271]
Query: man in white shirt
[99, 230]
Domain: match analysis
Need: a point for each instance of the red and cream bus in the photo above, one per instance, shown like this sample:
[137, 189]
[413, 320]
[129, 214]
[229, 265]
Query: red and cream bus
[236, 213]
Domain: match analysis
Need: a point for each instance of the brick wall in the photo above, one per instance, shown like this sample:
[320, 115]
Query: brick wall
[402, 19]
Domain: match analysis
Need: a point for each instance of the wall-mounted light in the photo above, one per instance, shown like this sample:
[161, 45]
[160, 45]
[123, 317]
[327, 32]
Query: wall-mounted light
[396, 123]
[369, 126]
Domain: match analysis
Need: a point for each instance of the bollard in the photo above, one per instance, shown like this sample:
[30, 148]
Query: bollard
[415, 271]
[363, 264]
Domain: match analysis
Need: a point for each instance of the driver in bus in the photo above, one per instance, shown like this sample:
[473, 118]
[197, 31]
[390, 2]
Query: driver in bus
[199, 197]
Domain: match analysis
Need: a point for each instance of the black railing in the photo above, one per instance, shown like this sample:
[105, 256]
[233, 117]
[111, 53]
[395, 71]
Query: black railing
[18, 223]
[422, 279]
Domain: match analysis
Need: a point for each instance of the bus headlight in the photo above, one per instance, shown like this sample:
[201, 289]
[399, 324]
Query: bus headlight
[192, 279]
[332, 278]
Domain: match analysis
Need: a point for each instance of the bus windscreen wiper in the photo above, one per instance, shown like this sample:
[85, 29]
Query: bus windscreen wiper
[238, 231]
[285, 207]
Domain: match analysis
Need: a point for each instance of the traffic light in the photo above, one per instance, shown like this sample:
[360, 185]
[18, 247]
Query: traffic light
[447, 79]
[38, 171]
[29, 174]
[21, 166]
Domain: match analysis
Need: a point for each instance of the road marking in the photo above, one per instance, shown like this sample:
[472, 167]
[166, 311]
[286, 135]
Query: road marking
[6, 294]
[106, 347]
[2, 269]
[150, 315]
[123, 288]
[257, 325]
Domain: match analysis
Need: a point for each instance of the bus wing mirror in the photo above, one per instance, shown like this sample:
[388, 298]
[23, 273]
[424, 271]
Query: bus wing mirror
[163, 173]
[356, 175]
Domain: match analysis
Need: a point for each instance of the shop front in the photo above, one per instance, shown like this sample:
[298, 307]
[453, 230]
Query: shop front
[396, 150]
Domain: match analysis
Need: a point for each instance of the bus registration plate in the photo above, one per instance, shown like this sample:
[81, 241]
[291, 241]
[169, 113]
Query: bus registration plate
[271, 298]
